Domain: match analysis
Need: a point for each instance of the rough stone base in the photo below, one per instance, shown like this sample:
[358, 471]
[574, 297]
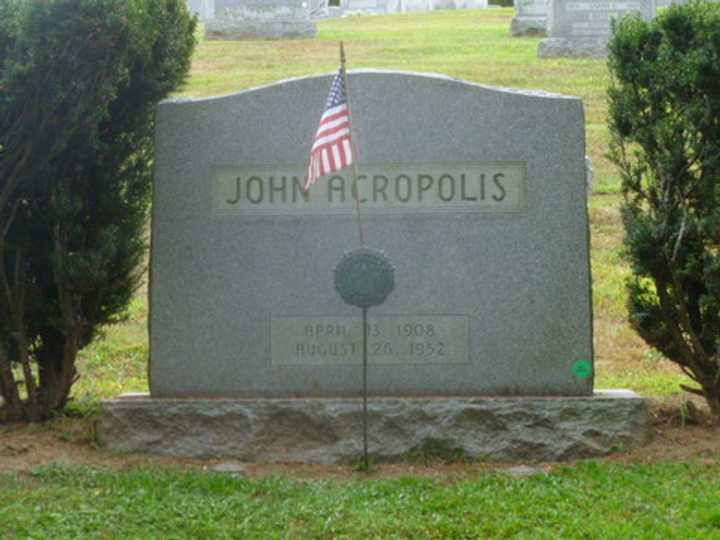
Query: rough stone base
[260, 28]
[528, 26]
[330, 430]
[572, 48]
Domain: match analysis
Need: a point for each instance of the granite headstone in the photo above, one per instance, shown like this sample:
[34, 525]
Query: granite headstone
[582, 28]
[475, 193]
[371, 6]
[459, 4]
[261, 19]
[204, 9]
[469, 4]
[530, 18]
[416, 5]
[402, 6]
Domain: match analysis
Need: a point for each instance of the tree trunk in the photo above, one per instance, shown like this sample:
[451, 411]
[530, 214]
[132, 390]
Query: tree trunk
[712, 397]
[57, 375]
[12, 409]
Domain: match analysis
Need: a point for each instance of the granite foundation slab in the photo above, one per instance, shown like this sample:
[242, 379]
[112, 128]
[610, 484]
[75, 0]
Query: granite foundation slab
[531, 18]
[573, 48]
[330, 430]
[251, 28]
[527, 26]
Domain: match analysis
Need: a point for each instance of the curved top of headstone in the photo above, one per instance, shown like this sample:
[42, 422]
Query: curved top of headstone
[397, 118]
[410, 77]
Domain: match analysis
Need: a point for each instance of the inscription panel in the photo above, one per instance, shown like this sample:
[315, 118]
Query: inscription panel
[392, 339]
[531, 8]
[475, 187]
[592, 18]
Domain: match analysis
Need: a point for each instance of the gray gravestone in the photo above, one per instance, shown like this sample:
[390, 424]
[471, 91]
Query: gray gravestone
[262, 19]
[478, 200]
[319, 9]
[668, 3]
[416, 5]
[370, 6]
[204, 9]
[402, 6]
[582, 28]
[530, 18]
[469, 4]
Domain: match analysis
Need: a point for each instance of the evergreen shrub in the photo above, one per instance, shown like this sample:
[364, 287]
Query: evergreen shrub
[664, 119]
[79, 80]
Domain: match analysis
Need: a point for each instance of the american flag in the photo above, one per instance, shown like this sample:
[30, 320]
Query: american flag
[332, 149]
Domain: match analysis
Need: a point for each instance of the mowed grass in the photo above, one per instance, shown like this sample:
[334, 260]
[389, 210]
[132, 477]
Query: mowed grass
[470, 44]
[587, 501]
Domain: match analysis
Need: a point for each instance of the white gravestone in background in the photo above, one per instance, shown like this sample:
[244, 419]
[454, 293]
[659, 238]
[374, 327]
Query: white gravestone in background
[668, 3]
[204, 9]
[469, 4]
[416, 5]
[261, 19]
[530, 18]
[402, 6]
[582, 28]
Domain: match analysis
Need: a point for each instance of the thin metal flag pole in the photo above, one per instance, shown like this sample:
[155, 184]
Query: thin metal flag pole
[356, 189]
[366, 461]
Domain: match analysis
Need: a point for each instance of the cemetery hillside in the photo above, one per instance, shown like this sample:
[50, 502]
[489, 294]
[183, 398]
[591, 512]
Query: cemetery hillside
[494, 314]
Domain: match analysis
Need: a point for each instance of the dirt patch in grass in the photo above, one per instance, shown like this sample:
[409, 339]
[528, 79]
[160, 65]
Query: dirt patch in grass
[682, 432]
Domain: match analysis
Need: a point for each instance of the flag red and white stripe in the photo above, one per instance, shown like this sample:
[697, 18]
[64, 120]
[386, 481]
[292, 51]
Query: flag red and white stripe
[332, 147]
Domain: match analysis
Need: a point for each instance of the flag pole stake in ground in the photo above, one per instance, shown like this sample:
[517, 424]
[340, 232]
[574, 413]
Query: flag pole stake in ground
[364, 278]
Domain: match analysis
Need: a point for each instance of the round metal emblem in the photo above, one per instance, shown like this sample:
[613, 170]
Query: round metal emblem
[364, 277]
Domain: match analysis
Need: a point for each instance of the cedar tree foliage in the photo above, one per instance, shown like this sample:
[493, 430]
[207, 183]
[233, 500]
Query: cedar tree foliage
[79, 80]
[665, 139]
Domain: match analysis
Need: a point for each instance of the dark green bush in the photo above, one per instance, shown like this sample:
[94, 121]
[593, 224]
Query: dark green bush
[79, 80]
[665, 127]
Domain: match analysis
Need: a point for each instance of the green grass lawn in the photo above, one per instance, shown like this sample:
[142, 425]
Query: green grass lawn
[590, 500]
[664, 501]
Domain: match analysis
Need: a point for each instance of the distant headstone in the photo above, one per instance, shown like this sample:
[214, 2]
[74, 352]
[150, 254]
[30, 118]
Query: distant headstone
[402, 6]
[204, 9]
[459, 4]
[370, 6]
[318, 8]
[477, 194]
[416, 5]
[261, 19]
[530, 18]
[469, 4]
[582, 28]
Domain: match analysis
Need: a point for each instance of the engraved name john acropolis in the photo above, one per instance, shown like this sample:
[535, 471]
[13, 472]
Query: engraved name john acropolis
[474, 187]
